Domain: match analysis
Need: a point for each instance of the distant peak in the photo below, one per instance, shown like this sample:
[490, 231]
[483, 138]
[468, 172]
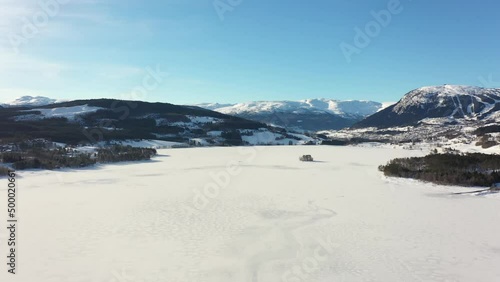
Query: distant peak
[28, 100]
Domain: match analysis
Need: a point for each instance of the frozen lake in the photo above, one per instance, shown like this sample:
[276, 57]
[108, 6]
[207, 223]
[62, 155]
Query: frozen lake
[250, 214]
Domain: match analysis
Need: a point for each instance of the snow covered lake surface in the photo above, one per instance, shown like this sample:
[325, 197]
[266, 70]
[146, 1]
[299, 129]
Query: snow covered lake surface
[250, 214]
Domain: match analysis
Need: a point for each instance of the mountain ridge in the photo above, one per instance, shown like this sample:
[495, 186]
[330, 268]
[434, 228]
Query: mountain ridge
[338, 107]
[307, 115]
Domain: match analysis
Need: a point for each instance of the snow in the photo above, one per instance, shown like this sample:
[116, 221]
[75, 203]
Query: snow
[194, 121]
[155, 144]
[251, 214]
[266, 137]
[261, 106]
[213, 106]
[199, 142]
[437, 96]
[343, 108]
[30, 101]
[70, 113]
[201, 119]
[86, 149]
[261, 138]
[437, 121]
[451, 90]
[472, 148]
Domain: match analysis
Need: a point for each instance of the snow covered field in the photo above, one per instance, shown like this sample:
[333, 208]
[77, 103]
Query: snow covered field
[250, 214]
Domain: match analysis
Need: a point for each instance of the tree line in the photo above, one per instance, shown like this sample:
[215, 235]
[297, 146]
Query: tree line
[43, 158]
[472, 169]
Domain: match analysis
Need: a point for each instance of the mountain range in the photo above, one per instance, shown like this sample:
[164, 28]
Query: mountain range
[427, 113]
[305, 115]
[99, 121]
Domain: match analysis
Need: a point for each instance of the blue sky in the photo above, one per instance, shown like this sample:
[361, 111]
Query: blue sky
[257, 50]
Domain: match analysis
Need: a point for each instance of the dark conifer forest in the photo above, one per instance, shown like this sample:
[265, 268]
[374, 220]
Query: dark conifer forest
[449, 169]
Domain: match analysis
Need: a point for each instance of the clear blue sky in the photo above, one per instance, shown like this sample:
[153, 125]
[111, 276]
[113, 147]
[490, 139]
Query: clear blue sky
[261, 50]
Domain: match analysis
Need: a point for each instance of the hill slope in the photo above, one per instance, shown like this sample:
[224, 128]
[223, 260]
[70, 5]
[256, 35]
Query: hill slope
[100, 120]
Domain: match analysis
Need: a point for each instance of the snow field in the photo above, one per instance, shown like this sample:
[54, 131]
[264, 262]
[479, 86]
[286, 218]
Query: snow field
[251, 214]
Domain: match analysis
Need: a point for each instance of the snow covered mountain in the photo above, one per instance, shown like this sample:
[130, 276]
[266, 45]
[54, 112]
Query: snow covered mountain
[341, 108]
[450, 116]
[311, 114]
[27, 101]
[447, 104]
